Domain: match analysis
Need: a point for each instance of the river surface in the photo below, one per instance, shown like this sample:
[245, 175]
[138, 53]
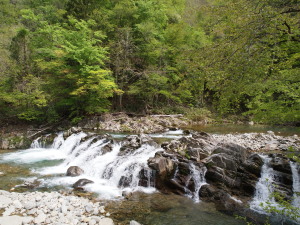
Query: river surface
[46, 167]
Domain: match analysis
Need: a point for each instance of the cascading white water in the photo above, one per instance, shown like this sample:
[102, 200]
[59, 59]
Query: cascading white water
[264, 186]
[296, 183]
[101, 160]
[198, 176]
[36, 143]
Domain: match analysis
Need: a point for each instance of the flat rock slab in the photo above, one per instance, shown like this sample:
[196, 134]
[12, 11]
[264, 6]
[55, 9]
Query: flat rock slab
[14, 220]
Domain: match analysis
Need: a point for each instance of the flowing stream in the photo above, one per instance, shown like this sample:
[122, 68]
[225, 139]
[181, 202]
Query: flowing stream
[264, 186]
[105, 167]
[114, 170]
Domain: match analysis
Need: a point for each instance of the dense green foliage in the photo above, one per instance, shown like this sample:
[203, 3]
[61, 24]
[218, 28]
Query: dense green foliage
[70, 58]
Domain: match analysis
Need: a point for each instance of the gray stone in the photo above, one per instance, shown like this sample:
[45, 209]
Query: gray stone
[92, 222]
[89, 208]
[29, 205]
[40, 218]
[9, 211]
[81, 183]
[106, 221]
[5, 201]
[74, 171]
[17, 204]
[32, 211]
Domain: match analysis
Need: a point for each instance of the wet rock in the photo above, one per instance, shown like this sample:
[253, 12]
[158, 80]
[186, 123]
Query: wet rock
[126, 194]
[134, 142]
[147, 178]
[163, 166]
[81, 183]
[72, 130]
[281, 164]
[74, 171]
[125, 181]
[253, 164]
[30, 184]
[107, 148]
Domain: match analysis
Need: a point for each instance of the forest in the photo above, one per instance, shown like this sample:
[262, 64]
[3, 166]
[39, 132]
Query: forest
[67, 59]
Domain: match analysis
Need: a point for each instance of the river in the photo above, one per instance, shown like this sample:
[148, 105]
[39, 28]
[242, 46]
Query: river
[46, 166]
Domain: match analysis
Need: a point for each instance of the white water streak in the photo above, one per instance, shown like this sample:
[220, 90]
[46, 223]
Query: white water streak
[296, 183]
[264, 187]
[198, 175]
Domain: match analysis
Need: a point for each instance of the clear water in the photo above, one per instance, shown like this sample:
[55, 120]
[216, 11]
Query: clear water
[159, 209]
[49, 165]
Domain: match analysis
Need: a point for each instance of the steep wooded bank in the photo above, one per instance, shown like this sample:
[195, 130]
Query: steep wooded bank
[69, 59]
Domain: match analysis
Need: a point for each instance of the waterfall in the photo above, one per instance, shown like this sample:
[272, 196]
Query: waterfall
[111, 169]
[264, 186]
[36, 143]
[296, 183]
[198, 176]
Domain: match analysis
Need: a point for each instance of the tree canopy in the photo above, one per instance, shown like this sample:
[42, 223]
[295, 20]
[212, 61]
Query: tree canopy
[68, 59]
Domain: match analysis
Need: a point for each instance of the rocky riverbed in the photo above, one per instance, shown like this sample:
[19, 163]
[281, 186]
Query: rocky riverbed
[221, 168]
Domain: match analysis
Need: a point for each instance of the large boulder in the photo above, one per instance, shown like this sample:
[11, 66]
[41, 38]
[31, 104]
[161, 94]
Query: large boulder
[197, 147]
[74, 171]
[164, 167]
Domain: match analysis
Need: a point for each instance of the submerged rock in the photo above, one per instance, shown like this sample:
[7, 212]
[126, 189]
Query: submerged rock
[78, 185]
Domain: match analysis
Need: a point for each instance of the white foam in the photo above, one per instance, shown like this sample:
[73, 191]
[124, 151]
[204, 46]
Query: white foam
[34, 155]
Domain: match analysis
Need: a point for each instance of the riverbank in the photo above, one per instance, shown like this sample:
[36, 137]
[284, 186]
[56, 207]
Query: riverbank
[20, 136]
[50, 208]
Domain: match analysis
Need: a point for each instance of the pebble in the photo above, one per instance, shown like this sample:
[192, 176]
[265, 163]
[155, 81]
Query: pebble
[29, 205]
[50, 208]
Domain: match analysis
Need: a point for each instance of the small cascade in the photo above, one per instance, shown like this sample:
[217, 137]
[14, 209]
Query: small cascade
[111, 169]
[296, 183]
[264, 186]
[58, 141]
[36, 143]
[198, 176]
